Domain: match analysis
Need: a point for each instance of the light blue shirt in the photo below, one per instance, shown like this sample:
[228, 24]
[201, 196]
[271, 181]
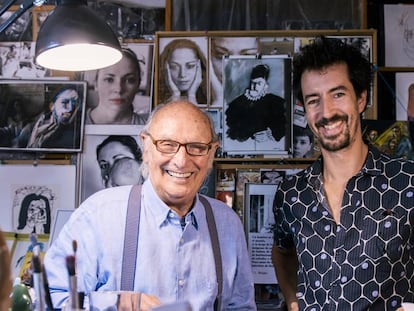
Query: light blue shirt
[173, 264]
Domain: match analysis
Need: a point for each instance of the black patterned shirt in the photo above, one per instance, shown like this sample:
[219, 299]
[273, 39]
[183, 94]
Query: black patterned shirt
[366, 262]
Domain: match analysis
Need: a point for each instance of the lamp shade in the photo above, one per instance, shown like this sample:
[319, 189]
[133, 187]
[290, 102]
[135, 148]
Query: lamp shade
[75, 38]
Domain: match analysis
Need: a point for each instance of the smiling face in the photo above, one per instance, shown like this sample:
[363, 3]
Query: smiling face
[177, 177]
[183, 67]
[118, 84]
[332, 108]
[301, 146]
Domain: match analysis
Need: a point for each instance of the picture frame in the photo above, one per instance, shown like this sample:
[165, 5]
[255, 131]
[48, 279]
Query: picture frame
[255, 122]
[59, 220]
[92, 177]
[17, 61]
[42, 115]
[39, 15]
[18, 30]
[56, 189]
[186, 57]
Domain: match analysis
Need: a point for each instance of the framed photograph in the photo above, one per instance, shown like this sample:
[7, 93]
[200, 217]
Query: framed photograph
[40, 115]
[181, 69]
[133, 74]
[111, 157]
[256, 112]
[33, 193]
[17, 61]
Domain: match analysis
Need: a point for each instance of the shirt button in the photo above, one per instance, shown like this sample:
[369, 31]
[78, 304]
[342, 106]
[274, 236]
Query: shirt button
[181, 282]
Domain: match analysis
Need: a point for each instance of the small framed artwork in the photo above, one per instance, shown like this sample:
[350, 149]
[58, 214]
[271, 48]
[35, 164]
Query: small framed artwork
[404, 96]
[17, 61]
[20, 29]
[259, 222]
[256, 112]
[134, 75]
[111, 157]
[398, 28]
[21, 261]
[33, 193]
[42, 115]
[39, 15]
[181, 69]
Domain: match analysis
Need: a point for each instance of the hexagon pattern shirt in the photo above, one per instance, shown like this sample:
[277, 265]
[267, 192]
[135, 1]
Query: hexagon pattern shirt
[366, 262]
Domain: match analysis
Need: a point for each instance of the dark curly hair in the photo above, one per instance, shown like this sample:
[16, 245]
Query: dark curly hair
[324, 52]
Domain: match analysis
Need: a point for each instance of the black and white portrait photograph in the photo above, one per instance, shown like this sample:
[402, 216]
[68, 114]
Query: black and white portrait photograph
[121, 93]
[33, 193]
[19, 30]
[182, 69]
[40, 115]
[17, 61]
[109, 159]
[257, 97]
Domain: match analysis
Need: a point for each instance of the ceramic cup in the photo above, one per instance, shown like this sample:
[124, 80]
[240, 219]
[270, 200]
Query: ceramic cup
[114, 300]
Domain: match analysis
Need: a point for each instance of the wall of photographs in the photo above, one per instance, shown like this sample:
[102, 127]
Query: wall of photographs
[250, 162]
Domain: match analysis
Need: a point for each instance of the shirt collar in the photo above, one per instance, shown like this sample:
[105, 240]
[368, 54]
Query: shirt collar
[372, 166]
[162, 213]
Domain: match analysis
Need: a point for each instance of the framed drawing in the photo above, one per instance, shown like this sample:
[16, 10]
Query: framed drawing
[404, 96]
[133, 74]
[20, 29]
[256, 112]
[29, 202]
[45, 116]
[111, 157]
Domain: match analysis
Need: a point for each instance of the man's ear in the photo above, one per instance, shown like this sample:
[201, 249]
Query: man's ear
[362, 102]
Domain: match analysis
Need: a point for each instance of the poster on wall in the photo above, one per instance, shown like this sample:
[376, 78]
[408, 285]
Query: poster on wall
[257, 97]
[32, 194]
[398, 29]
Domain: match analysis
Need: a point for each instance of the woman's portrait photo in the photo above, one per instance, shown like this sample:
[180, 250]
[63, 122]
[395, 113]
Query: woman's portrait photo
[182, 70]
[110, 160]
[121, 93]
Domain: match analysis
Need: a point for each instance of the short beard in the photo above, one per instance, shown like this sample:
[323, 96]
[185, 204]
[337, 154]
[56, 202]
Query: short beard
[338, 142]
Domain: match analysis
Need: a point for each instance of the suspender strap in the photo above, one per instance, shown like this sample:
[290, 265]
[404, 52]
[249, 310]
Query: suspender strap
[131, 239]
[131, 243]
[216, 249]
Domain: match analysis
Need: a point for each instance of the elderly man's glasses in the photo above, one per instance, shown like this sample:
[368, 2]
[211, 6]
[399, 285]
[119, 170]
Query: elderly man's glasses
[172, 147]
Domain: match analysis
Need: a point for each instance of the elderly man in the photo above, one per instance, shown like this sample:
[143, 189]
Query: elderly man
[189, 247]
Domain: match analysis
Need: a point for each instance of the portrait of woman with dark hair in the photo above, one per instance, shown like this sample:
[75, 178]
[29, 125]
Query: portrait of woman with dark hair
[182, 71]
[34, 215]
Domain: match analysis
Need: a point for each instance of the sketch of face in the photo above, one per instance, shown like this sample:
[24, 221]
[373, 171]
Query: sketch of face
[301, 146]
[118, 84]
[36, 213]
[230, 46]
[110, 153]
[257, 86]
[65, 106]
[183, 67]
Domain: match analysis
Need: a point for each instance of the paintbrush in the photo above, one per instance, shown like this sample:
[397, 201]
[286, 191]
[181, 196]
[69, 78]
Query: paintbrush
[48, 298]
[71, 266]
[38, 279]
